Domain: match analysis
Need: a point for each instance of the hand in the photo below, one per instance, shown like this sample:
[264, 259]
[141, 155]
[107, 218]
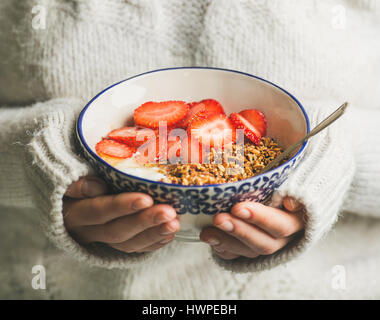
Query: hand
[128, 222]
[253, 229]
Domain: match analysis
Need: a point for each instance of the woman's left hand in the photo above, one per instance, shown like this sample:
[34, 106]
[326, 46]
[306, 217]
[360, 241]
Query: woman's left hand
[253, 229]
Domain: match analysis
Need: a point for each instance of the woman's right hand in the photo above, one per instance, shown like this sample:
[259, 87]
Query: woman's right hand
[128, 222]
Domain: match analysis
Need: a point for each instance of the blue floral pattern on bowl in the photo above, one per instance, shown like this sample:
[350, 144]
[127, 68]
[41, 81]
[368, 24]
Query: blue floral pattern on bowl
[196, 205]
[208, 199]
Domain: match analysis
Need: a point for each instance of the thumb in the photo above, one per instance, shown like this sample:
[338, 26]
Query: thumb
[86, 187]
[291, 204]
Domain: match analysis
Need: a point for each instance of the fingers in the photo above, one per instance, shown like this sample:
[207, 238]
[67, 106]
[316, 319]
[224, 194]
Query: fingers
[150, 239]
[100, 210]
[125, 228]
[291, 204]
[256, 239]
[225, 245]
[127, 221]
[253, 229]
[86, 187]
[276, 222]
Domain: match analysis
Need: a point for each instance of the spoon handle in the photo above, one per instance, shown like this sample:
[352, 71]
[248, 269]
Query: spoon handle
[322, 125]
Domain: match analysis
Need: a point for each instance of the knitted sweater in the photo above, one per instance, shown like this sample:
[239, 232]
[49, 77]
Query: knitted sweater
[322, 52]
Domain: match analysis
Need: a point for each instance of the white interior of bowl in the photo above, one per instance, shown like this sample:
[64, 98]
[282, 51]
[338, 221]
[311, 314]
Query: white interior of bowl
[235, 91]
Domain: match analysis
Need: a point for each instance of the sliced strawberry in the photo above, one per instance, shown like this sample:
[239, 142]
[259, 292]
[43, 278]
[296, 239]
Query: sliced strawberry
[171, 151]
[185, 150]
[157, 131]
[114, 149]
[151, 113]
[174, 148]
[111, 160]
[131, 136]
[250, 130]
[184, 121]
[150, 151]
[203, 109]
[212, 105]
[192, 104]
[256, 118]
[157, 150]
[154, 149]
[214, 131]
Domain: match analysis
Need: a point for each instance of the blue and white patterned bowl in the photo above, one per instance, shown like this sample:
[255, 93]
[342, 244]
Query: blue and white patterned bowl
[114, 106]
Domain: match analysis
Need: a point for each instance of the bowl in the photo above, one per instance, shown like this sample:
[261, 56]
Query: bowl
[113, 107]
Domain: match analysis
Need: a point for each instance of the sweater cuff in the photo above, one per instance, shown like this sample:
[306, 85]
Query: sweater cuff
[364, 194]
[52, 164]
[320, 183]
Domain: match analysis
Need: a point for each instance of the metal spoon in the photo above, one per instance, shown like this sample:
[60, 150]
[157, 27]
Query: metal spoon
[322, 125]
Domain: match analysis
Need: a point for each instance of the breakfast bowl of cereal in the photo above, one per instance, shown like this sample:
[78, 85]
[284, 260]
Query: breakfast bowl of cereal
[194, 138]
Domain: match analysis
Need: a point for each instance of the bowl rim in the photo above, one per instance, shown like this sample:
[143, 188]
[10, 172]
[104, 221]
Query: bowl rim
[93, 154]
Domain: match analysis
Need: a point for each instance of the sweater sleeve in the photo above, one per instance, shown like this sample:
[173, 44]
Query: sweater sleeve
[40, 161]
[364, 193]
[320, 182]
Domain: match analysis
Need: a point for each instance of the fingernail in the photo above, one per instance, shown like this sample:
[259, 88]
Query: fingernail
[226, 226]
[218, 250]
[141, 203]
[213, 241]
[243, 213]
[166, 240]
[93, 188]
[293, 204]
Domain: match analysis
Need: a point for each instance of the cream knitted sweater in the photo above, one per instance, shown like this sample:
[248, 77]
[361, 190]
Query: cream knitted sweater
[325, 52]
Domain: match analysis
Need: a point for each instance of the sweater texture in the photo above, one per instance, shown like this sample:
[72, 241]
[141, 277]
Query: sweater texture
[59, 54]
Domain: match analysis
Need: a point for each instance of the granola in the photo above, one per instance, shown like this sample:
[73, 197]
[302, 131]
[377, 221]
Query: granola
[223, 167]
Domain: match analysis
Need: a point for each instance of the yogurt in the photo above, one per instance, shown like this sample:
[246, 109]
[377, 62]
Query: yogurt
[131, 166]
